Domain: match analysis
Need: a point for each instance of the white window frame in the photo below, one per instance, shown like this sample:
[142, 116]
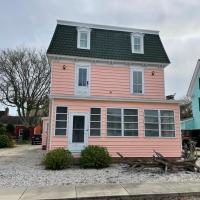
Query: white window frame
[61, 120]
[93, 121]
[122, 122]
[141, 36]
[136, 69]
[159, 124]
[21, 130]
[83, 30]
[77, 66]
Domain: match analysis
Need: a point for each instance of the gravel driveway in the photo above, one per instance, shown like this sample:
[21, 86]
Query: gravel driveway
[21, 166]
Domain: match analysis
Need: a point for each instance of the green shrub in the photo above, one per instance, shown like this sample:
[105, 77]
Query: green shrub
[10, 129]
[2, 129]
[95, 157]
[58, 159]
[4, 141]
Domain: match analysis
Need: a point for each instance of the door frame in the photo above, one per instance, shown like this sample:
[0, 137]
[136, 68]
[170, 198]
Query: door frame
[77, 147]
[82, 65]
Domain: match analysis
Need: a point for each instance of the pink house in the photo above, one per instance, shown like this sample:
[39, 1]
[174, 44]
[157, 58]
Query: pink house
[107, 89]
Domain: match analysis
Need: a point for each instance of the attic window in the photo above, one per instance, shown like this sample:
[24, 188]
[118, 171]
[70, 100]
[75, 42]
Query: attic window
[83, 39]
[137, 43]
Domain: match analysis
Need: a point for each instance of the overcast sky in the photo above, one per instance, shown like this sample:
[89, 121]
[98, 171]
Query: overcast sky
[32, 23]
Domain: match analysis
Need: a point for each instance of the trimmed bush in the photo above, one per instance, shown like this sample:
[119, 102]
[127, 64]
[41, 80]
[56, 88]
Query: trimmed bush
[2, 129]
[5, 141]
[58, 159]
[95, 157]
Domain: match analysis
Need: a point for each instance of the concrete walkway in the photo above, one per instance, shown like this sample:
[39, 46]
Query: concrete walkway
[109, 191]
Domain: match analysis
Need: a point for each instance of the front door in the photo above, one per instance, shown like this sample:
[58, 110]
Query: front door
[82, 79]
[78, 133]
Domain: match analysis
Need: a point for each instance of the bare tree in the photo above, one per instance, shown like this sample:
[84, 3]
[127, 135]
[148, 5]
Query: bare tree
[24, 82]
[186, 108]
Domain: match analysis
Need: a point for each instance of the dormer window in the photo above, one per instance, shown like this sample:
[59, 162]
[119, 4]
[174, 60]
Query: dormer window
[83, 39]
[137, 43]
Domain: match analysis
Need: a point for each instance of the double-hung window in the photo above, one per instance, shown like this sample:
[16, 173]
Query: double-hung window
[61, 121]
[122, 122]
[95, 121]
[137, 43]
[83, 38]
[159, 123]
[137, 81]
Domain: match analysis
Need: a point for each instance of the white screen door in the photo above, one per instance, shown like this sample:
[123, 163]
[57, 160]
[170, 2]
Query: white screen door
[78, 133]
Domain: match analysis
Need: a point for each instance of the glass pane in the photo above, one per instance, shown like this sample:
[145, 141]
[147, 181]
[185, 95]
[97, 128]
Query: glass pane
[168, 133]
[114, 111]
[61, 124]
[82, 80]
[78, 129]
[60, 131]
[61, 110]
[114, 125]
[137, 89]
[167, 120]
[130, 118]
[130, 126]
[137, 40]
[111, 132]
[114, 118]
[131, 133]
[151, 119]
[166, 113]
[61, 117]
[153, 133]
[137, 77]
[95, 132]
[130, 112]
[151, 112]
[137, 48]
[151, 126]
[83, 43]
[95, 117]
[95, 110]
[94, 124]
[83, 36]
[167, 127]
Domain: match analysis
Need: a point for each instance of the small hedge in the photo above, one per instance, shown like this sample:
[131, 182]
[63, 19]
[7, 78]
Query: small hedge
[95, 157]
[58, 159]
[5, 141]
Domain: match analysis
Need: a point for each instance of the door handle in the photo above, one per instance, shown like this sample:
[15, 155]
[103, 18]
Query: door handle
[87, 83]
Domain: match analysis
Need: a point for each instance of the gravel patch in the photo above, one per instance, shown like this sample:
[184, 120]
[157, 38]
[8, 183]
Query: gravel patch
[21, 166]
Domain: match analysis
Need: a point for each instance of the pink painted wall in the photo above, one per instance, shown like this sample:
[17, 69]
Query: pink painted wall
[107, 80]
[140, 146]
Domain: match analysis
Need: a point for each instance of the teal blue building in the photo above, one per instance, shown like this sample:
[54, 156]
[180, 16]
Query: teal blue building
[194, 93]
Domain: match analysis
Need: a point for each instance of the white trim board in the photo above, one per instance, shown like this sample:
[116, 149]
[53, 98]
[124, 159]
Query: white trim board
[114, 99]
[106, 27]
[56, 57]
[194, 78]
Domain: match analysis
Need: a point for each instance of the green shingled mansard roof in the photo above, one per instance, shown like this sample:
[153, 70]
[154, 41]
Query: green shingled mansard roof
[107, 44]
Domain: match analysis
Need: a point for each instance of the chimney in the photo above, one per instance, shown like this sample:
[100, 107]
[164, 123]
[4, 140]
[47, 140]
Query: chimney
[7, 111]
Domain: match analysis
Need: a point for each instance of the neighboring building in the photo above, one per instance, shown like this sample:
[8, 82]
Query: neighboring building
[107, 89]
[5, 118]
[193, 123]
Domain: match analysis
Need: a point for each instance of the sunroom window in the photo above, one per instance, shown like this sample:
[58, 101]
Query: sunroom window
[95, 121]
[61, 121]
[159, 123]
[122, 122]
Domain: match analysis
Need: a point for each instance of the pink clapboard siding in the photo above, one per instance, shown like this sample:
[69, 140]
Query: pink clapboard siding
[107, 80]
[140, 146]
